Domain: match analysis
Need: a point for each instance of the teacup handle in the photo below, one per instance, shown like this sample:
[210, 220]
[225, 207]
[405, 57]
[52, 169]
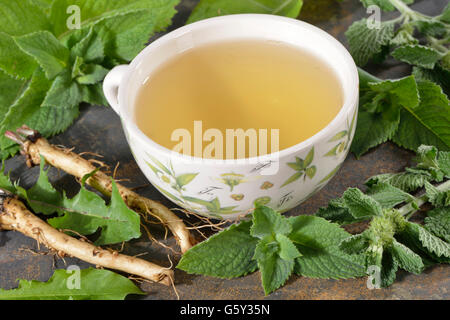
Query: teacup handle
[111, 86]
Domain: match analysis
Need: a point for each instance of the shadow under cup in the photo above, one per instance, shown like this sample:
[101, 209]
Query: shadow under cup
[227, 189]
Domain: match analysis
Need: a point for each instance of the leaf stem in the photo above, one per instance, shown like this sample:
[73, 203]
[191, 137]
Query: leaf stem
[411, 208]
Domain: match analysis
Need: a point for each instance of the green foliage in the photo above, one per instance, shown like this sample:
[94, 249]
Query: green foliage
[94, 284]
[413, 110]
[85, 213]
[211, 8]
[278, 247]
[61, 68]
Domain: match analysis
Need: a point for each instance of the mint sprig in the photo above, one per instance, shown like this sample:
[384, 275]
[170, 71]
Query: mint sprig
[278, 247]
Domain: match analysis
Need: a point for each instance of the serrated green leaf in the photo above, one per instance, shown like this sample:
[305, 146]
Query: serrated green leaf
[406, 258]
[418, 55]
[406, 181]
[93, 11]
[95, 284]
[267, 221]
[438, 75]
[438, 222]
[404, 37]
[337, 212]
[211, 8]
[433, 28]
[274, 270]
[42, 197]
[89, 47]
[387, 195]
[51, 55]
[93, 94]
[87, 212]
[428, 241]
[11, 89]
[5, 181]
[287, 249]
[428, 122]
[355, 244]
[18, 17]
[227, 254]
[372, 129]
[389, 267]
[318, 241]
[360, 205]
[93, 73]
[437, 197]
[14, 61]
[63, 92]
[365, 42]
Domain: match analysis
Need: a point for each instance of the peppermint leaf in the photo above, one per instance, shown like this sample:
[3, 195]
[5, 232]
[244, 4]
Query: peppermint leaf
[227, 254]
[417, 55]
[211, 8]
[51, 55]
[267, 222]
[365, 43]
[274, 270]
[318, 242]
[428, 242]
[337, 212]
[95, 284]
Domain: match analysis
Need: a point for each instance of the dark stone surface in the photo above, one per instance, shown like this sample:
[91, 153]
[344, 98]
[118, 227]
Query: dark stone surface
[98, 130]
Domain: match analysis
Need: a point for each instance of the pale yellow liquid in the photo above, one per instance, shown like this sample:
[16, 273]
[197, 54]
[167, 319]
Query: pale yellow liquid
[242, 84]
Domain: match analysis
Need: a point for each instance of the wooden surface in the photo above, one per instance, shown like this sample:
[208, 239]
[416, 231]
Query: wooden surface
[99, 130]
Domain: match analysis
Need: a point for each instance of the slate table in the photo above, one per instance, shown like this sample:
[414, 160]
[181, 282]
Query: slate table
[98, 130]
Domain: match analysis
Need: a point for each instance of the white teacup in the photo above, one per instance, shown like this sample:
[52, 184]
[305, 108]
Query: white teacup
[230, 188]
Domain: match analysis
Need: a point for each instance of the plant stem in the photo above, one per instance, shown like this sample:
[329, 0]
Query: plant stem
[409, 209]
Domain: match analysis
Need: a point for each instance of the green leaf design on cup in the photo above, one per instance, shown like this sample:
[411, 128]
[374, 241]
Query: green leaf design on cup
[262, 201]
[303, 167]
[344, 139]
[212, 206]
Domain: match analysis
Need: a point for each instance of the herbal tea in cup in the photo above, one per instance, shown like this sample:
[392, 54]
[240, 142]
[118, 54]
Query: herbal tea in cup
[237, 111]
[276, 95]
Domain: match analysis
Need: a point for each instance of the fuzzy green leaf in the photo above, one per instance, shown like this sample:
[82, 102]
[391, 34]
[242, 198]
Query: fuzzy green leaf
[93, 73]
[64, 92]
[387, 195]
[18, 17]
[417, 55]
[227, 254]
[92, 11]
[11, 89]
[365, 42]
[428, 241]
[51, 55]
[94, 284]
[406, 258]
[355, 244]
[318, 241]
[14, 61]
[428, 122]
[337, 212]
[372, 129]
[360, 205]
[437, 197]
[438, 222]
[211, 8]
[288, 250]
